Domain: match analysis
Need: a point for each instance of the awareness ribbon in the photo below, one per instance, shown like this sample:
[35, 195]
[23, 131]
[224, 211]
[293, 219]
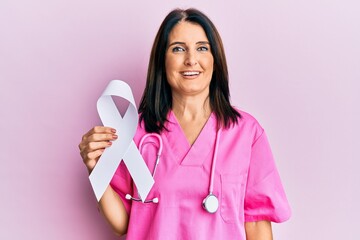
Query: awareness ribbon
[124, 147]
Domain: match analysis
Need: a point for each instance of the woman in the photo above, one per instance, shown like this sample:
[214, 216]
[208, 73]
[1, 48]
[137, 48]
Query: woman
[211, 151]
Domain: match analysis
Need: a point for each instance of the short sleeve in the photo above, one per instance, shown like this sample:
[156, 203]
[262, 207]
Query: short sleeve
[122, 185]
[265, 197]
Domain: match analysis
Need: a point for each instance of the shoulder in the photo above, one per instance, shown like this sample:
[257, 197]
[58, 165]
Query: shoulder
[247, 118]
[248, 125]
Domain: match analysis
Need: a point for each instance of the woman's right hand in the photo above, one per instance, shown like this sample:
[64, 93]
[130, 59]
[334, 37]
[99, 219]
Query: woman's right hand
[93, 144]
[91, 147]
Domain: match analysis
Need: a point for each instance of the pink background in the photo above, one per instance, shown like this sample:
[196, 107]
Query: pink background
[295, 65]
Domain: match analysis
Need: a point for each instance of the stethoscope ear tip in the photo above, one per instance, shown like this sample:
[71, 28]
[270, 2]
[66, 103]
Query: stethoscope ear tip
[128, 197]
[155, 200]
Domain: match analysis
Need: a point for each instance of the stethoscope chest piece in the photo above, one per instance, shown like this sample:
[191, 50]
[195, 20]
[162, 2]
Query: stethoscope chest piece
[211, 203]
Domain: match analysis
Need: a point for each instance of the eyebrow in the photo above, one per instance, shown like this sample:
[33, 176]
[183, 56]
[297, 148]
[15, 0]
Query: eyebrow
[182, 43]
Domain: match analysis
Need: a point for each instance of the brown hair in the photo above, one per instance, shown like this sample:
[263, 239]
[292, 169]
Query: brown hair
[156, 101]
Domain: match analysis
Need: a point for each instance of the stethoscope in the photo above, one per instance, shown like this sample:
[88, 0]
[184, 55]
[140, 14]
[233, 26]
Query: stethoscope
[211, 202]
[154, 200]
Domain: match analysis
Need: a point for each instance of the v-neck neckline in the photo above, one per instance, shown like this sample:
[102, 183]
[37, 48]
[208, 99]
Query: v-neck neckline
[195, 154]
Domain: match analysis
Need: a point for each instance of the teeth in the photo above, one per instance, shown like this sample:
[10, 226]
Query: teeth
[190, 73]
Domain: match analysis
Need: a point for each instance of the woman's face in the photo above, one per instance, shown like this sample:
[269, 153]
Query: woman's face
[188, 60]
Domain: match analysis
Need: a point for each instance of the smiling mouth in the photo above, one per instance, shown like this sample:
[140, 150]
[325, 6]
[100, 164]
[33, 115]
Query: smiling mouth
[190, 73]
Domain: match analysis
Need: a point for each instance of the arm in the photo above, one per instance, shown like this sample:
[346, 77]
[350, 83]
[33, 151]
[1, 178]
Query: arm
[91, 147]
[258, 230]
[113, 210]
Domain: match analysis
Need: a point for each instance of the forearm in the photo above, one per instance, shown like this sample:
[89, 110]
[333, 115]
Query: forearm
[114, 211]
[258, 230]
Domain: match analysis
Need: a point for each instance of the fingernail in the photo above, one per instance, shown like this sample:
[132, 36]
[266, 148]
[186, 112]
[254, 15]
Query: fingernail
[109, 143]
[113, 130]
[115, 137]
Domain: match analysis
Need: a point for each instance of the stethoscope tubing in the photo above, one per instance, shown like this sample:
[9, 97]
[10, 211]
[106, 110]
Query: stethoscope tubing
[158, 155]
[211, 202]
[213, 165]
[159, 152]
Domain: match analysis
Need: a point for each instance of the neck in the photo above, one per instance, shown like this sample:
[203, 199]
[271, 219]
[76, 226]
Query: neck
[191, 108]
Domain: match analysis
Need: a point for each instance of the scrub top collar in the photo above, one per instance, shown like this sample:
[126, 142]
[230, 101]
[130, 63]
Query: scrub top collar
[186, 154]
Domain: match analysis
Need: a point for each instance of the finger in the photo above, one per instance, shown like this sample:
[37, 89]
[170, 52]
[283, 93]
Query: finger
[93, 146]
[99, 129]
[87, 150]
[98, 137]
[103, 129]
[91, 156]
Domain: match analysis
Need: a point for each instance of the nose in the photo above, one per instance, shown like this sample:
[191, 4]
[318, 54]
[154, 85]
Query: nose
[190, 59]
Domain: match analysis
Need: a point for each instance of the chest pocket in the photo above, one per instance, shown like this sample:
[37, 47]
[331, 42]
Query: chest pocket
[232, 197]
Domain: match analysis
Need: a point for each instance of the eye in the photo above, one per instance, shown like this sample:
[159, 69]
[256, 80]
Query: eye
[203, 49]
[178, 49]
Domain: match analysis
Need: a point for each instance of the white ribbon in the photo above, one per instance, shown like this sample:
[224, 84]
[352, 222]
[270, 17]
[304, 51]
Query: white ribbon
[124, 147]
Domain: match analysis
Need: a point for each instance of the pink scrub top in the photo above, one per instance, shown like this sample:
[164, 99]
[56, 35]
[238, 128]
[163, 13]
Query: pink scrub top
[246, 183]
